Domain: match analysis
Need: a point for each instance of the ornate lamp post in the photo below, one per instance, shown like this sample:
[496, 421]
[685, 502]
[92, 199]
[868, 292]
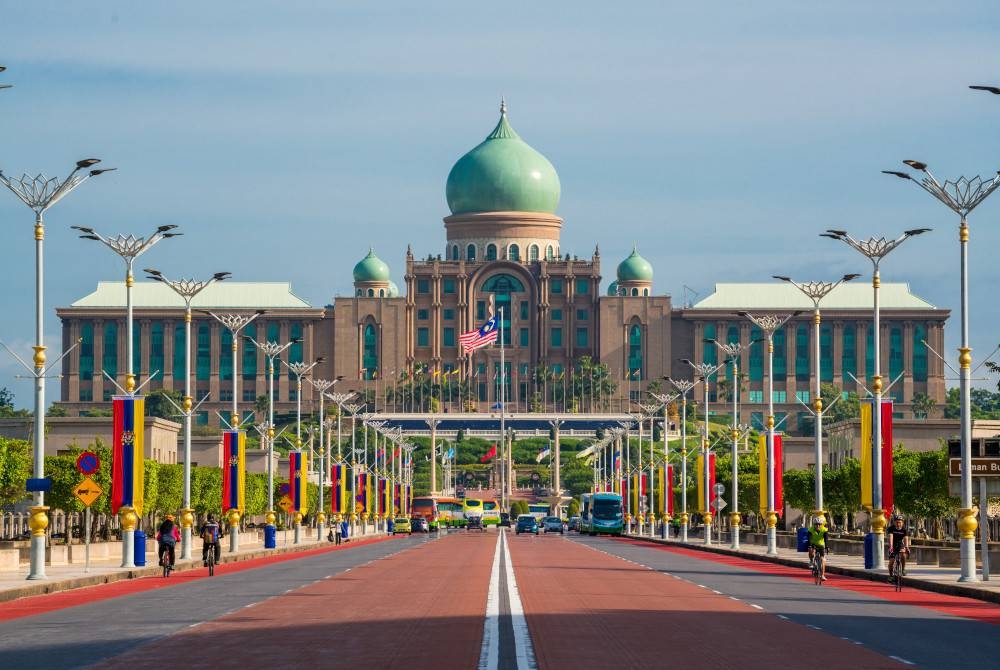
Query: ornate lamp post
[665, 400]
[769, 323]
[272, 350]
[128, 247]
[299, 370]
[187, 289]
[39, 193]
[704, 371]
[961, 196]
[816, 291]
[875, 249]
[321, 386]
[683, 386]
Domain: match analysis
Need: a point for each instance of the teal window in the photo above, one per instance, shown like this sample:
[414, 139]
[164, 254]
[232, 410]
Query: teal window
[849, 358]
[556, 285]
[295, 351]
[779, 396]
[86, 394]
[869, 351]
[481, 368]
[635, 366]
[895, 352]
[514, 253]
[448, 285]
[756, 397]
[470, 252]
[87, 352]
[557, 315]
[757, 355]
[779, 421]
[919, 353]
[156, 348]
[802, 396]
[480, 310]
[179, 344]
[502, 286]
[524, 310]
[780, 356]
[109, 360]
[201, 418]
[203, 357]
[448, 337]
[448, 314]
[273, 335]
[369, 355]
[423, 286]
[225, 354]
[249, 394]
[523, 337]
[557, 337]
[549, 253]
[422, 314]
[454, 252]
[491, 252]
[709, 352]
[802, 353]
[423, 337]
[249, 353]
[733, 335]
[583, 286]
[582, 337]
[826, 353]
[533, 253]
[582, 315]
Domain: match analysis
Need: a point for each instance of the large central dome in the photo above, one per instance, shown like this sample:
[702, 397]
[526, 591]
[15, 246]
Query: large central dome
[503, 174]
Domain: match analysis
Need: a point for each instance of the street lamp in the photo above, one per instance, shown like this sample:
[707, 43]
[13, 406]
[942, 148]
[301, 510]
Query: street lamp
[272, 350]
[128, 247]
[705, 370]
[665, 400]
[683, 386]
[2, 69]
[321, 386]
[962, 196]
[875, 249]
[299, 369]
[769, 323]
[187, 289]
[39, 193]
[816, 291]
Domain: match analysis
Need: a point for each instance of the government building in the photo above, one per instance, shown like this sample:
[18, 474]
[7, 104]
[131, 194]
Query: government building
[501, 250]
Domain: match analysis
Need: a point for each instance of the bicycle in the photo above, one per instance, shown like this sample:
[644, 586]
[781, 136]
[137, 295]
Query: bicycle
[898, 570]
[210, 560]
[817, 568]
[167, 559]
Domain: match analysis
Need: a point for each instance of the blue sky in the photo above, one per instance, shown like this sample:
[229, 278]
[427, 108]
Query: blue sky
[285, 138]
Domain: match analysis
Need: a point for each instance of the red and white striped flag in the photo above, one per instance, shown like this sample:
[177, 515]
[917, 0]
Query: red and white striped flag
[475, 339]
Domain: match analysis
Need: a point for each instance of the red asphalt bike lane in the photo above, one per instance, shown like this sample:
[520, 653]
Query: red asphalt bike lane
[588, 609]
[967, 608]
[33, 605]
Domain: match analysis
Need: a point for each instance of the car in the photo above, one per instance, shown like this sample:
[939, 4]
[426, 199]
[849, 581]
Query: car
[527, 524]
[574, 524]
[553, 524]
[419, 525]
[401, 524]
[505, 519]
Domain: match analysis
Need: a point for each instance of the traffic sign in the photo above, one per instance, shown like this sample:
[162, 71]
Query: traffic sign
[285, 489]
[981, 467]
[719, 504]
[38, 484]
[88, 491]
[719, 489]
[285, 503]
[88, 463]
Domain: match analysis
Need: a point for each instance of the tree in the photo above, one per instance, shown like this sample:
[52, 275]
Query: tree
[848, 407]
[7, 405]
[922, 405]
[15, 468]
[574, 507]
[799, 488]
[158, 404]
[920, 484]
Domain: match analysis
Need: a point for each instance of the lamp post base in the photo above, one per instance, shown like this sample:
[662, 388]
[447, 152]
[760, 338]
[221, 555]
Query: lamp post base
[684, 527]
[734, 529]
[772, 533]
[187, 523]
[38, 522]
[129, 520]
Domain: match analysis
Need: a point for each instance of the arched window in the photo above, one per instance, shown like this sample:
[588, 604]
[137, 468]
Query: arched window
[371, 293]
[645, 291]
[514, 252]
[470, 252]
[635, 291]
[381, 293]
[454, 252]
[359, 293]
[635, 370]
[491, 252]
[533, 253]
[548, 253]
[919, 353]
[369, 359]
[502, 286]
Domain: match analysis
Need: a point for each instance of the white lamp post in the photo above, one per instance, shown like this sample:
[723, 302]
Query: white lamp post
[683, 386]
[704, 371]
[321, 386]
[299, 370]
[665, 400]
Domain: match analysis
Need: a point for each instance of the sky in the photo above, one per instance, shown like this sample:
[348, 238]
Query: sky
[285, 138]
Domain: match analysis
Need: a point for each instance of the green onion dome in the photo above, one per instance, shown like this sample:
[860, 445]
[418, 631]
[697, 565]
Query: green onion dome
[371, 268]
[635, 268]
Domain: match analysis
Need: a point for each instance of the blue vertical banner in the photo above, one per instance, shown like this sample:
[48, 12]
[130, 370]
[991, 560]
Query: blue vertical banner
[127, 476]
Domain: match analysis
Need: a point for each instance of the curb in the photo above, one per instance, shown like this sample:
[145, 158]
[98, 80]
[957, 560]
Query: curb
[43, 587]
[959, 590]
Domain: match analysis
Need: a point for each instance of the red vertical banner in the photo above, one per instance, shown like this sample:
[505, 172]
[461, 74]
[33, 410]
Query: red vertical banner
[670, 490]
[779, 503]
[711, 475]
[887, 498]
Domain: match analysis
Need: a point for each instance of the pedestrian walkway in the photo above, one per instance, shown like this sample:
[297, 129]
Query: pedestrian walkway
[14, 584]
[918, 576]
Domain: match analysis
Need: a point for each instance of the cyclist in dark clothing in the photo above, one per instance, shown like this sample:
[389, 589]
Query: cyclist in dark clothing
[210, 533]
[899, 540]
[168, 535]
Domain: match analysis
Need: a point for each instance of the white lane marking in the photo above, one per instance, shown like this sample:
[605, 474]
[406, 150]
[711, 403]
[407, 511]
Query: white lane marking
[522, 639]
[809, 625]
[734, 598]
[902, 660]
[782, 616]
[756, 607]
[718, 593]
[489, 653]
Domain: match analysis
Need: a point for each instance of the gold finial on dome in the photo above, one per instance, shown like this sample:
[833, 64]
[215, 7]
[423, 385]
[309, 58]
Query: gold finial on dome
[503, 106]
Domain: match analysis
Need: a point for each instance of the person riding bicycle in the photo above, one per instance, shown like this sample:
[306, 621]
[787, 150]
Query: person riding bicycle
[817, 544]
[168, 536]
[210, 533]
[899, 540]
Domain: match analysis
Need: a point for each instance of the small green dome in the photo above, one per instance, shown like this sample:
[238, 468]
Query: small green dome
[503, 174]
[635, 268]
[613, 288]
[371, 268]
[393, 289]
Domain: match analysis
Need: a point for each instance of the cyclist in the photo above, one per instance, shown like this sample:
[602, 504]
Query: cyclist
[817, 544]
[168, 535]
[210, 533]
[899, 540]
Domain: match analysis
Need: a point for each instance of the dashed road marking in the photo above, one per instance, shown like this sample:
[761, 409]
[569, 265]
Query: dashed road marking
[902, 660]
[756, 607]
[809, 625]
[783, 617]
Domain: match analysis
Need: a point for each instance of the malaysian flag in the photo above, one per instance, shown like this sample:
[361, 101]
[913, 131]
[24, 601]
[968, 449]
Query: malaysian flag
[475, 339]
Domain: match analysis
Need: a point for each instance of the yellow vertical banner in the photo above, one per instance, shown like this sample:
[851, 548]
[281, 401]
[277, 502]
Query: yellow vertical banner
[700, 467]
[866, 454]
[762, 469]
[635, 494]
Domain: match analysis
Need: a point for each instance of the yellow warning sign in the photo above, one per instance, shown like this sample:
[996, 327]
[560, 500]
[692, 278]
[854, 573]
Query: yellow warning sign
[285, 503]
[88, 491]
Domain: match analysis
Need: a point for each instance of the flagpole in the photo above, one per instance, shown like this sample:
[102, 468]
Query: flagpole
[504, 492]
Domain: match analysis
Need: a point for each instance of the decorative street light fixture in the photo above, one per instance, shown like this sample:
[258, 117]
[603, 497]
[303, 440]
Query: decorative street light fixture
[683, 386]
[816, 291]
[962, 196]
[187, 289]
[665, 400]
[272, 350]
[875, 249]
[299, 370]
[321, 386]
[769, 323]
[128, 247]
[2, 69]
[704, 371]
[39, 193]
